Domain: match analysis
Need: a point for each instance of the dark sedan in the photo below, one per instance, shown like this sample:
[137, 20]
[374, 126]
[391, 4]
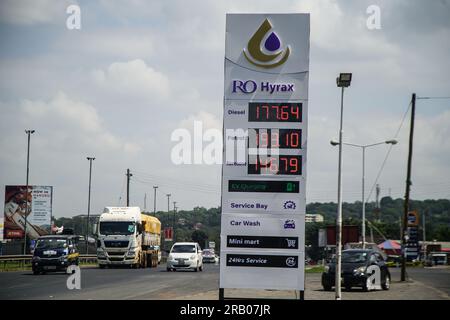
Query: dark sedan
[358, 269]
[54, 253]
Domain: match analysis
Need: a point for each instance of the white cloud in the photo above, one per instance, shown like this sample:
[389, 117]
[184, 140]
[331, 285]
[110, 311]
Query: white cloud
[208, 120]
[132, 79]
[72, 121]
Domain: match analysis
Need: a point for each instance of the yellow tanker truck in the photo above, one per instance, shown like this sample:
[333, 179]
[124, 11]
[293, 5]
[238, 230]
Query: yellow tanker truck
[127, 237]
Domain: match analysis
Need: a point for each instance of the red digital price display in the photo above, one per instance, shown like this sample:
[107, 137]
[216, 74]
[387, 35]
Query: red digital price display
[275, 112]
[275, 138]
[273, 165]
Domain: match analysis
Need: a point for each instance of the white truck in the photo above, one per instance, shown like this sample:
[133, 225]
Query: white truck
[127, 237]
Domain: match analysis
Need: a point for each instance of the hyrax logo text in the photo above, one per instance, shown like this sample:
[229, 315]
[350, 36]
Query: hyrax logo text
[250, 86]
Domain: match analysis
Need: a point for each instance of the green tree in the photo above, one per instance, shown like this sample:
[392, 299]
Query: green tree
[199, 236]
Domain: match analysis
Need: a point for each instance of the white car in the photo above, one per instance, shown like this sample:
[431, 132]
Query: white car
[185, 256]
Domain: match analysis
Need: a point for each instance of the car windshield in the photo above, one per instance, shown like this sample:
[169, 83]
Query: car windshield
[354, 257]
[51, 244]
[208, 252]
[183, 248]
[116, 228]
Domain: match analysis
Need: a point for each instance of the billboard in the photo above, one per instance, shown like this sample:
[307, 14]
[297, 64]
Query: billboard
[265, 117]
[38, 204]
[350, 234]
[1, 228]
[168, 234]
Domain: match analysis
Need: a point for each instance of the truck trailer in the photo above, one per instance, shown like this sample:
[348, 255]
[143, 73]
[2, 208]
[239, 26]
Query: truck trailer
[127, 237]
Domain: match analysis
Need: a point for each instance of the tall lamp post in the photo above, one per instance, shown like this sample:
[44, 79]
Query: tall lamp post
[363, 147]
[29, 133]
[343, 81]
[89, 203]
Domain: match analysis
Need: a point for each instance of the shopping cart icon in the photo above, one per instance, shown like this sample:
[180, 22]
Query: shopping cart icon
[291, 243]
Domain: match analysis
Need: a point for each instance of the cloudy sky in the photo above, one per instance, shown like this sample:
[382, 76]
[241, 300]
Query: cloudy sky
[137, 70]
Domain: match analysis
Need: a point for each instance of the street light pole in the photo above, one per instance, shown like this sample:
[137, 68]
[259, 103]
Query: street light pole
[363, 148]
[363, 197]
[342, 82]
[89, 203]
[339, 215]
[29, 133]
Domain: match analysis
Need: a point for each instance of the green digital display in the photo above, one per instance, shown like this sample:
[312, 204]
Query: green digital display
[263, 186]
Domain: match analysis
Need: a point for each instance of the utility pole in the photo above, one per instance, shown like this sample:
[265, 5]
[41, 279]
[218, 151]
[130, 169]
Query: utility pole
[408, 187]
[424, 237]
[89, 203]
[154, 199]
[173, 224]
[129, 175]
[377, 202]
[168, 202]
[29, 133]
[145, 201]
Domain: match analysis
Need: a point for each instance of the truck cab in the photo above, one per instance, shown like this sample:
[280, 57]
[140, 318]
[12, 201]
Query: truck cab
[125, 237]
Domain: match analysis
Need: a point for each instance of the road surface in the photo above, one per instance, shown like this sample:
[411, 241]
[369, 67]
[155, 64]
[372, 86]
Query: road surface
[427, 283]
[150, 283]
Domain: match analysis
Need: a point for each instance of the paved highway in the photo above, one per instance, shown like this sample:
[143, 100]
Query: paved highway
[151, 283]
[428, 283]
[434, 277]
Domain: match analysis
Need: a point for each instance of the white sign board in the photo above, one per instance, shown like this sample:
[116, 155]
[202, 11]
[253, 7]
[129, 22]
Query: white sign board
[265, 148]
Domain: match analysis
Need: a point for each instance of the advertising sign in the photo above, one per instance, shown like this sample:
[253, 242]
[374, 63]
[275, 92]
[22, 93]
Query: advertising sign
[265, 147]
[412, 244]
[38, 201]
[168, 234]
[1, 229]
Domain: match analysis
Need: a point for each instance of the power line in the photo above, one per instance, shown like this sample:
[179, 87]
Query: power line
[173, 182]
[121, 192]
[388, 153]
[178, 181]
[175, 186]
[433, 98]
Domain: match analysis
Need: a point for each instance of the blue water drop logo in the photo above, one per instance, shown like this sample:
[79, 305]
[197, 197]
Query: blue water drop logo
[272, 43]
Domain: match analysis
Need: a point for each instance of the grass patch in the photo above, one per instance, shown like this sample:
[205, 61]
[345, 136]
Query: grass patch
[26, 266]
[315, 269]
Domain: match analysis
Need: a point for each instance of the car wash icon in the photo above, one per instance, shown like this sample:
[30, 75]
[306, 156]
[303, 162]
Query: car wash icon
[264, 48]
[289, 205]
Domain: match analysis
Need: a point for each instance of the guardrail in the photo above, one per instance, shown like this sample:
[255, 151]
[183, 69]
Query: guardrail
[24, 260]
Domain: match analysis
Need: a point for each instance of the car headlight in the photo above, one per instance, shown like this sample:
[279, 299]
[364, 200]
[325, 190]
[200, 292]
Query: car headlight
[360, 270]
[36, 258]
[326, 269]
[130, 253]
[192, 257]
[170, 257]
[63, 258]
[101, 253]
